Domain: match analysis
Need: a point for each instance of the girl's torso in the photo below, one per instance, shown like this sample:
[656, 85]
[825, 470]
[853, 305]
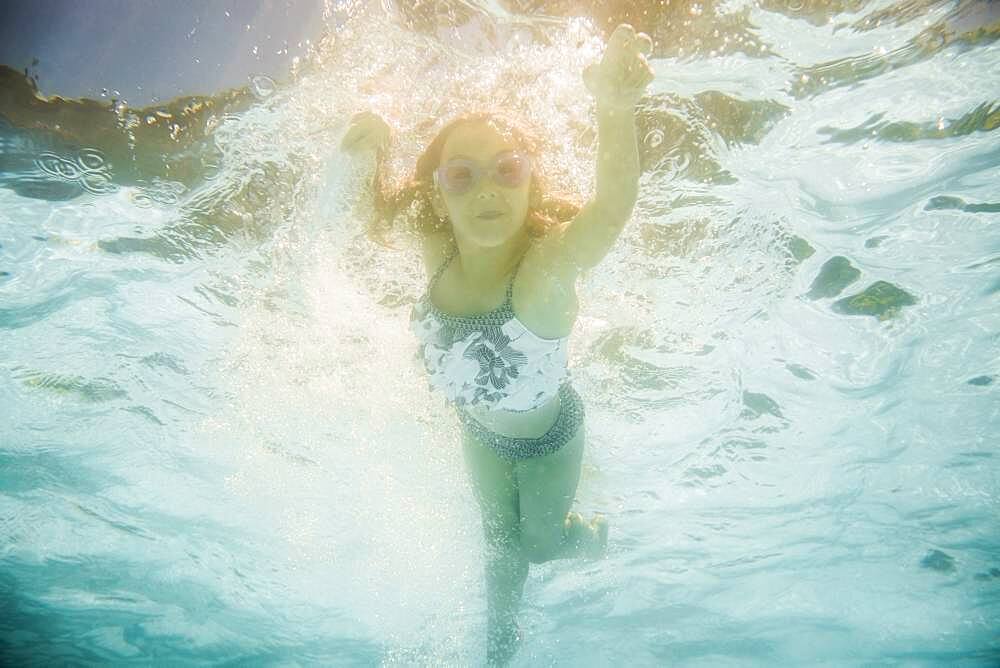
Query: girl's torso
[535, 311]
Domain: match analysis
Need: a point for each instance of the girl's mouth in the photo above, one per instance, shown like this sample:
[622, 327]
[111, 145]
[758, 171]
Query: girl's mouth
[490, 215]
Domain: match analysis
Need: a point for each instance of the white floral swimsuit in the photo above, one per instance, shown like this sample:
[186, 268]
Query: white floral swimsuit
[488, 359]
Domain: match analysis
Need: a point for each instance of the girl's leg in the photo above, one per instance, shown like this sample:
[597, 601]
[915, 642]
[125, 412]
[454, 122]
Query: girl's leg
[546, 489]
[506, 567]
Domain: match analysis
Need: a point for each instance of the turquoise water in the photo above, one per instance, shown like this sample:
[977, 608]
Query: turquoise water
[218, 446]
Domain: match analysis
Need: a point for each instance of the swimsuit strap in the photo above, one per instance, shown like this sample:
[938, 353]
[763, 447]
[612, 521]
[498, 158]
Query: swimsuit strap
[451, 256]
[510, 285]
[444, 265]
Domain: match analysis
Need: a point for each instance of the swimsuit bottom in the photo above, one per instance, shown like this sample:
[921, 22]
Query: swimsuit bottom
[512, 448]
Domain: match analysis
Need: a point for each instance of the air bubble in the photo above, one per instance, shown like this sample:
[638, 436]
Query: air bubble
[97, 183]
[673, 165]
[654, 138]
[67, 170]
[48, 163]
[90, 159]
[262, 86]
[141, 200]
[158, 191]
[519, 39]
[89, 170]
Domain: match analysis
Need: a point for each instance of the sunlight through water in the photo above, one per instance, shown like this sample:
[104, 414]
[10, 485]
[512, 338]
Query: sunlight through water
[218, 443]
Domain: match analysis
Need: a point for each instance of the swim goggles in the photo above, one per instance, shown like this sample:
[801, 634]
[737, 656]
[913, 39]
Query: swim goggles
[508, 169]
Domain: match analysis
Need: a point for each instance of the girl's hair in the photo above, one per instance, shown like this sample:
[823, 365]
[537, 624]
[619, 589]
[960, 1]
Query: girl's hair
[413, 199]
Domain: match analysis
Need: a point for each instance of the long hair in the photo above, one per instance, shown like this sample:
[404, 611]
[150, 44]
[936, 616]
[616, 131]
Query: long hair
[413, 199]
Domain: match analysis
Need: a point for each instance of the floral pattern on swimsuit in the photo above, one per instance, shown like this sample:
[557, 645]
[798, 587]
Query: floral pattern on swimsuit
[498, 361]
[489, 359]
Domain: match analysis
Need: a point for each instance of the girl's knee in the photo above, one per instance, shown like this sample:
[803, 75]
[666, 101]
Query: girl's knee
[538, 547]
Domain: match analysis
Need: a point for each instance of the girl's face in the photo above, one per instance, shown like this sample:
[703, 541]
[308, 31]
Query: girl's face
[491, 209]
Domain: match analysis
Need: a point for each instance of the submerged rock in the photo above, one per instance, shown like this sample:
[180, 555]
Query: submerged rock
[835, 275]
[800, 371]
[757, 404]
[981, 380]
[949, 202]
[880, 299]
[800, 248]
[944, 202]
[91, 390]
[936, 560]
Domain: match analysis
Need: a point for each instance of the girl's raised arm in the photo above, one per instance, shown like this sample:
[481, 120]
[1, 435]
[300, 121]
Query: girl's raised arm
[367, 139]
[369, 136]
[368, 132]
[617, 83]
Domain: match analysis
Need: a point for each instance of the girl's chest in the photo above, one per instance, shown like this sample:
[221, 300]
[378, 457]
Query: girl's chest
[542, 302]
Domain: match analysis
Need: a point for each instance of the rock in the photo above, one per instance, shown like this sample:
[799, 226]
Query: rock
[835, 275]
[880, 299]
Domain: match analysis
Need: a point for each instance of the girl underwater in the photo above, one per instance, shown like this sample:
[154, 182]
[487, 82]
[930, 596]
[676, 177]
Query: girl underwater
[503, 260]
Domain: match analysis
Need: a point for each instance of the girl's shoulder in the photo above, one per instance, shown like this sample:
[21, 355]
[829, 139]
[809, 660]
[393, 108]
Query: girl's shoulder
[545, 298]
[547, 257]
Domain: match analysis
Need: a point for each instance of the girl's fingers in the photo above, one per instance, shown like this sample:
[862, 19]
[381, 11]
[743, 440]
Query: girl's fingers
[636, 67]
[639, 76]
[643, 44]
[633, 82]
[366, 128]
[348, 139]
[646, 77]
[624, 65]
[347, 145]
[626, 45]
[622, 35]
[358, 137]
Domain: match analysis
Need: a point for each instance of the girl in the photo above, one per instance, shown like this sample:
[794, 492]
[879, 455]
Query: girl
[503, 261]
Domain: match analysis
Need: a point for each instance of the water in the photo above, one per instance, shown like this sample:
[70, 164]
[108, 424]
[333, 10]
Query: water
[217, 444]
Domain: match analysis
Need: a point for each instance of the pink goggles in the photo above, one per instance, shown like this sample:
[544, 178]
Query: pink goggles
[508, 169]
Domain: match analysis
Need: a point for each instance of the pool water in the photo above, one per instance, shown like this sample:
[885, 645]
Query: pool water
[217, 444]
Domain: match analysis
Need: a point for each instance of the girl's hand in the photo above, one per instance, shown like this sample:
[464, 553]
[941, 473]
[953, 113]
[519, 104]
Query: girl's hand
[367, 132]
[618, 81]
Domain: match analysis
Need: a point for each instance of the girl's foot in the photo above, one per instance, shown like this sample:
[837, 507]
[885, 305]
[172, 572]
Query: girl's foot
[599, 526]
[587, 539]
